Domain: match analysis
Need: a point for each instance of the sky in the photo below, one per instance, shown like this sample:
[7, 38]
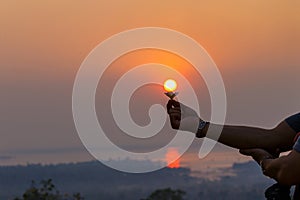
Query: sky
[255, 45]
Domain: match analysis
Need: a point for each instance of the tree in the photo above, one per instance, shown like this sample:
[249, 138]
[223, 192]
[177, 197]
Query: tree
[166, 194]
[46, 190]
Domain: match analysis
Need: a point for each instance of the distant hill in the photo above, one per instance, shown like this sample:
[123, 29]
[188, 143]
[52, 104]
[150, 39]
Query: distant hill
[96, 181]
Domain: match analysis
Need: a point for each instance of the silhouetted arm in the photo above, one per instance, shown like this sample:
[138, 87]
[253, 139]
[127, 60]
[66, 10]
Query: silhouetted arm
[243, 137]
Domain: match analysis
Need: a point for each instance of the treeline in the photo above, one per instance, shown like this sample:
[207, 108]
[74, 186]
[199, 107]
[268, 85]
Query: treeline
[96, 181]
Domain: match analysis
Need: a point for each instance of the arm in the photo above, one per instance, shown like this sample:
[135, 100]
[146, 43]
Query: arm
[285, 170]
[241, 137]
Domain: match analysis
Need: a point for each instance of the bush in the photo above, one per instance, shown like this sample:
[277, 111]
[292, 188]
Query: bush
[46, 190]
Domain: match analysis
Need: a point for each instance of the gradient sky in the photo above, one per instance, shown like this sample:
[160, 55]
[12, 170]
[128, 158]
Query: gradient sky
[255, 44]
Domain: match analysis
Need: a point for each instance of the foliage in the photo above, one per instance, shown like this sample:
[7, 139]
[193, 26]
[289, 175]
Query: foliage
[166, 194]
[97, 181]
[46, 190]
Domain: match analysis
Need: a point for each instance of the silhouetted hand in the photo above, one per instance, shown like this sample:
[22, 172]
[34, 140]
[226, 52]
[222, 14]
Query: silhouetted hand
[182, 117]
[257, 154]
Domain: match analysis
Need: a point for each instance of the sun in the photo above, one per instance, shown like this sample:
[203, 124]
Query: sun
[171, 156]
[170, 85]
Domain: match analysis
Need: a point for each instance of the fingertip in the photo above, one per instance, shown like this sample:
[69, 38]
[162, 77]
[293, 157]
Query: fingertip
[169, 105]
[176, 103]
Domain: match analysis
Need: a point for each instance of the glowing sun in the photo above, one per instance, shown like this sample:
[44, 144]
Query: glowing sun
[170, 85]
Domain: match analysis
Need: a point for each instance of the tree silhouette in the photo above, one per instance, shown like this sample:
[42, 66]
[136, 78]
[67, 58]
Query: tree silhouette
[46, 190]
[166, 194]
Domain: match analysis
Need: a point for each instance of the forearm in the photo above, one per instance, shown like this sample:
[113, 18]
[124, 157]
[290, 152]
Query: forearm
[242, 137]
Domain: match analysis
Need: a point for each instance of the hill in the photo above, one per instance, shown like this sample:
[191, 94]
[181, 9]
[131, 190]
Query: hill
[96, 181]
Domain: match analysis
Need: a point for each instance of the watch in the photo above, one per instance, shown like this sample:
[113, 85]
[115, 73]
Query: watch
[201, 127]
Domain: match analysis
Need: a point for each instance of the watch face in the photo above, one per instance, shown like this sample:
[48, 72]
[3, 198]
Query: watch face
[201, 124]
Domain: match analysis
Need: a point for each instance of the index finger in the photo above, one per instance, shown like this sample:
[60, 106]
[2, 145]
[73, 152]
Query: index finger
[172, 103]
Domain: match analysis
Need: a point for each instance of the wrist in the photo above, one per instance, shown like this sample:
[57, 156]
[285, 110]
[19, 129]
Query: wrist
[202, 129]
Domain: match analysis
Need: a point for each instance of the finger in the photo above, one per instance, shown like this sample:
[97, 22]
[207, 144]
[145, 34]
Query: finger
[174, 110]
[176, 104]
[176, 116]
[175, 121]
[169, 106]
[172, 104]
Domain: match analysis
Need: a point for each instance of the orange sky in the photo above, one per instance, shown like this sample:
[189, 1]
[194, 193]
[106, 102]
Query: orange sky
[232, 31]
[255, 44]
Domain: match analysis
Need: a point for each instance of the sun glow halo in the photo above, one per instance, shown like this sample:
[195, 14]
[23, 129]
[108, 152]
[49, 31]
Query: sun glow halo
[171, 154]
[170, 85]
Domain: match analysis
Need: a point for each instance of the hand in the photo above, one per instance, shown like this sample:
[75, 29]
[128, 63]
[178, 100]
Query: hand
[275, 152]
[257, 154]
[182, 117]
